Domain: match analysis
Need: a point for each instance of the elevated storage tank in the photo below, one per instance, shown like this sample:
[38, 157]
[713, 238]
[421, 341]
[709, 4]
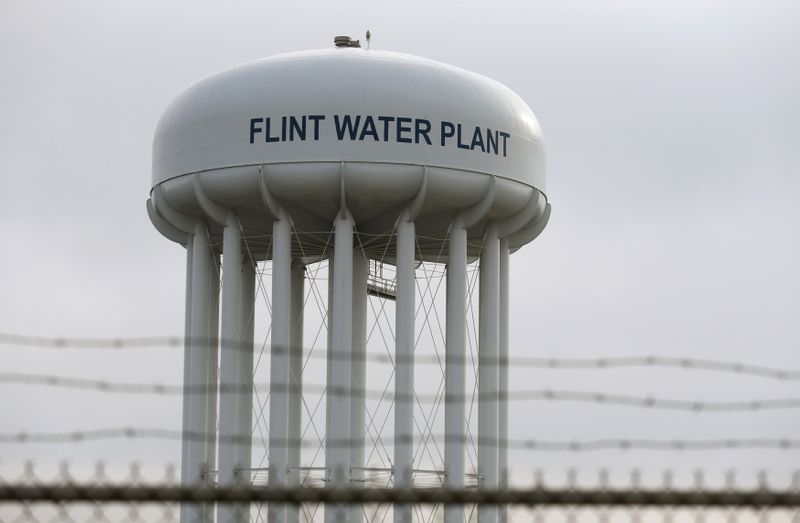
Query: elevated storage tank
[301, 151]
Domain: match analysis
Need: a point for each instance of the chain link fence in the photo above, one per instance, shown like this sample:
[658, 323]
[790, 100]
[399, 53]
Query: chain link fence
[29, 497]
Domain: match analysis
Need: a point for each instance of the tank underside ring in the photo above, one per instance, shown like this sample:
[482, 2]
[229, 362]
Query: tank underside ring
[375, 195]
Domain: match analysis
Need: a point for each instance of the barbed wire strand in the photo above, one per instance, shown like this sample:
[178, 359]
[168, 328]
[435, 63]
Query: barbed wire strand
[70, 493]
[600, 398]
[132, 433]
[731, 367]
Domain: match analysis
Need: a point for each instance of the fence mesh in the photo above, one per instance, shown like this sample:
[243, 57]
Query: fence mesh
[136, 497]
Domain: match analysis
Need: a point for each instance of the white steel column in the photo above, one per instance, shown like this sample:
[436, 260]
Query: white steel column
[186, 444]
[503, 378]
[200, 361]
[231, 385]
[187, 354]
[295, 382]
[329, 334]
[279, 360]
[455, 366]
[358, 378]
[338, 437]
[488, 371]
[246, 369]
[212, 370]
[404, 364]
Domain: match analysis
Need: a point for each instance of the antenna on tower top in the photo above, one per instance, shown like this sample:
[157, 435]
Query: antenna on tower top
[369, 36]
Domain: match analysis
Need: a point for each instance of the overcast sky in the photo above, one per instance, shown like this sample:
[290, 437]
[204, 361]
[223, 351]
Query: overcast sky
[673, 167]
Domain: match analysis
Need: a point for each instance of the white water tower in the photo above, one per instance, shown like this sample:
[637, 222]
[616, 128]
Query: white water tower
[364, 160]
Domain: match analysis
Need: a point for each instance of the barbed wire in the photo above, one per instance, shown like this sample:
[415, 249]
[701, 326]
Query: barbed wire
[132, 433]
[91, 343]
[600, 398]
[70, 493]
[731, 367]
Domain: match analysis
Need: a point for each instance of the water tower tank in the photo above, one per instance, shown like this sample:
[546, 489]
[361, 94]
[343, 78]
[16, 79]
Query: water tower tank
[354, 156]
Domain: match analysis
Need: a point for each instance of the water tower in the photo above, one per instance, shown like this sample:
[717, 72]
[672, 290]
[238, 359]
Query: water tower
[367, 161]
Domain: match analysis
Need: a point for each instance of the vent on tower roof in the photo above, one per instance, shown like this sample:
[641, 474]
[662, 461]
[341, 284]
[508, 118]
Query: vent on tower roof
[345, 41]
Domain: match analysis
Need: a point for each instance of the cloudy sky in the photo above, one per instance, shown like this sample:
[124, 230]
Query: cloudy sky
[673, 165]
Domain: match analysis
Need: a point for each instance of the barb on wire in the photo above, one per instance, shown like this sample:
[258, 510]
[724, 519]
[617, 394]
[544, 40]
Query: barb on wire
[740, 368]
[782, 444]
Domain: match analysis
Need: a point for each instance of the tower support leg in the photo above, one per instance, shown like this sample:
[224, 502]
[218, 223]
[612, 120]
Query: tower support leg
[279, 361]
[404, 364]
[295, 383]
[246, 367]
[503, 378]
[186, 444]
[232, 386]
[200, 373]
[488, 370]
[455, 367]
[338, 438]
[358, 378]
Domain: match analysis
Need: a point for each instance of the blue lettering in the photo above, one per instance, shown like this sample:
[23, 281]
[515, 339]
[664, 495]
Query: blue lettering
[422, 127]
[254, 129]
[386, 121]
[295, 126]
[403, 129]
[267, 137]
[505, 137]
[364, 127]
[316, 118]
[346, 125]
[477, 140]
[461, 145]
[451, 130]
[491, 141]
[369, 129]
